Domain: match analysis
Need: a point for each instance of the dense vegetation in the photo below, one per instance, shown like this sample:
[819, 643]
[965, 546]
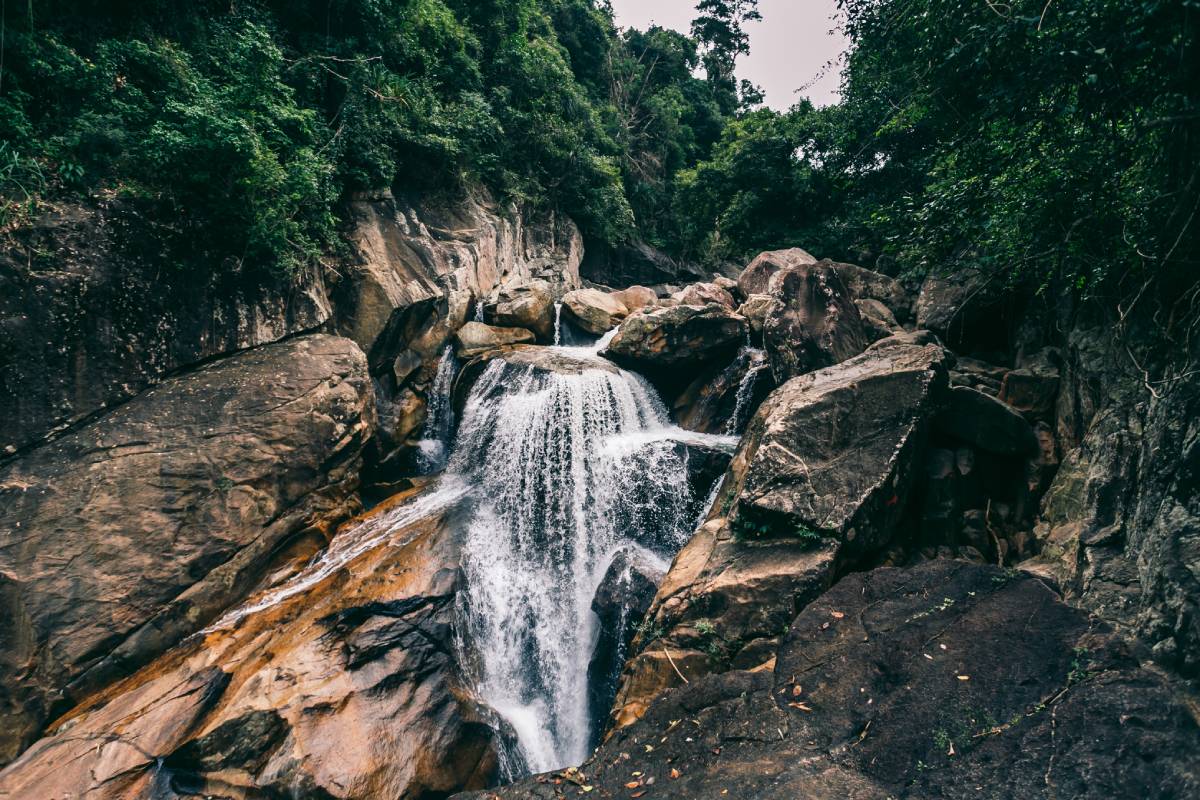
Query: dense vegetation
[1052, 141]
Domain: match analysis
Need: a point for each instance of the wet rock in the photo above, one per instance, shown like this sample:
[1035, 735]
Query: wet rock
[986, 423]
[344, 689]
[620, 604]
[977, 374]
[918, 338]
[1033, 388]
[126, 535]
[475, 338]
[817, 325]
[948, 680]
[677, 336]
[701, 294]
[594, 311]
[822, 477]
[723, 399]
[530, 307]
[757, 274]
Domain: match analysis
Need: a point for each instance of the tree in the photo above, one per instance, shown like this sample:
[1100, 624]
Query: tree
[719, 29]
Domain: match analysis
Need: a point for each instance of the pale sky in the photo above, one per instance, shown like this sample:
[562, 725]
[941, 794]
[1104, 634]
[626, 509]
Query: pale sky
[788, 49]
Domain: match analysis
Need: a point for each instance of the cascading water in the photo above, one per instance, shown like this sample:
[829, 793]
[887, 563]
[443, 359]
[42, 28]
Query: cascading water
[557, 324]
[439, 415]
[747, 357]
[567, 469]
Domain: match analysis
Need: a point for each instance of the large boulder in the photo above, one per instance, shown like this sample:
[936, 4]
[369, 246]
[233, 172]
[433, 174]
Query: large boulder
[973, 312]
[822, 477]
[530, 306]
[987, 423]
[92, 311]
[126, 535]
[722, 400]
[866, 284]
[338, 682]
[757, 309]
[636, 297]
[475, 338]
[701, 294]
[756, 277]
[677, 336]
[947, 680]
[817, 324]
[878, 320]
[594, 311]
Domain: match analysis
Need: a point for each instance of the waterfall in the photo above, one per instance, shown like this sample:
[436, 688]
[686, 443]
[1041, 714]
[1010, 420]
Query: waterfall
[557, 324]
[439, 414]
[568, 465]
[745, 389]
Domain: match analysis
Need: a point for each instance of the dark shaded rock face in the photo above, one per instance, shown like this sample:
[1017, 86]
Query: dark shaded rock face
[348, 688]
[723, 400]
[970, 311]
[86, 322]
[677, 337]
[947, 680]
[821, 479]
[634, 263]
[987, 423]
[817, 325]
[620, 604]
[127, 534]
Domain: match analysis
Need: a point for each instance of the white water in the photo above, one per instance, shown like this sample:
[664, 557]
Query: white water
[567, 468]
[746, 356]
[439, 414]
[557, 324]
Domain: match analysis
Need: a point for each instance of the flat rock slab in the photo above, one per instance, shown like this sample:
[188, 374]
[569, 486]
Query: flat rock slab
[949, 680]
[119, 539]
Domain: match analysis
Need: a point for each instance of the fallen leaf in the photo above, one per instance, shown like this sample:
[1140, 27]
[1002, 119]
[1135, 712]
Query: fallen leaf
[964, 677]
[674, 774]
[632, 785]
[796, 690]
[800, 706]
[638, 794]
[649, 748]
[836, 614]
[927, 656]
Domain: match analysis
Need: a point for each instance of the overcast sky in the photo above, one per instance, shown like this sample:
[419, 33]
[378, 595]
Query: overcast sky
[788, 49]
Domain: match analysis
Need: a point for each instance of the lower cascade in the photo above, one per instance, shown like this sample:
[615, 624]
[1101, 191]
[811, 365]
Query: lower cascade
[569, 465]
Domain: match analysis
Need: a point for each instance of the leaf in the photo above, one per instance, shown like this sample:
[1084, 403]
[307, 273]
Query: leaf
[674, 773]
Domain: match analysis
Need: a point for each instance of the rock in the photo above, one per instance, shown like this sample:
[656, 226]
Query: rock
[757, 274]
[975, 373]
[126, 535]
[878, 321]
[757, 308]
[335, 685]
[970, 311]
[1033, 388]
[92, 312]
[701, 294]
[677, 337]
[530, 307]
[941, 514]
[476, 337]
[817, 325]
[620, 603]
[918, 338]
[730, 285]
[594, 311]
[866, 284]
[724, 399]
[636, 297]
[986, 423]
[635, 263]
[822, 477]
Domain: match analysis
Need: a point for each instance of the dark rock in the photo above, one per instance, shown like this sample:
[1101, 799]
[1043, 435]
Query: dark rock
[977, 374]
[723, 399]
[126, 535]
[941, 514]
[971, 311]
[822, 477]
[946, 680]
[635, 263]
[756, 277]
[756, 309]
[677, 336]
[918, 338]
[986, 423]
[866, 284]
[1033, 388]
[878, 321]
[620, 604]
[818, 324]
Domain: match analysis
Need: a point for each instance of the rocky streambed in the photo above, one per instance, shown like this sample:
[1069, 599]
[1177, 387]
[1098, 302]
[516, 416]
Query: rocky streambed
[807, 533]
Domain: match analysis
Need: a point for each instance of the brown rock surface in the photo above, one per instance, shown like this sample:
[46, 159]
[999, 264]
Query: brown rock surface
[124, 536]
[594, 311]
[475, 338]
[677, 336]
[342, 684]
[817, 325]
[757, 274]
[701, 294]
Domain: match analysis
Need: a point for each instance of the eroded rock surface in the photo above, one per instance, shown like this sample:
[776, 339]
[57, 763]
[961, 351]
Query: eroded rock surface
[341, 686]
[756, 277]
[677, 336]
[594, 311]
[947, 680]
[816, 323]
[124, 536]
[475, 338]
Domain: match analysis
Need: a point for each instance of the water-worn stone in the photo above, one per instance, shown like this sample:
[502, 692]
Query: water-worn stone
[701, 294]
[822, 477]
[756, 309]
[594, 311]
[987, 423]
[677, 336]
[757, 274]
[947, 680]
[636, 297]
[348, 688]
[475, 338]
[710, 402]
[878, 320]
[817, 324]
[530, 306]
[127, 534]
